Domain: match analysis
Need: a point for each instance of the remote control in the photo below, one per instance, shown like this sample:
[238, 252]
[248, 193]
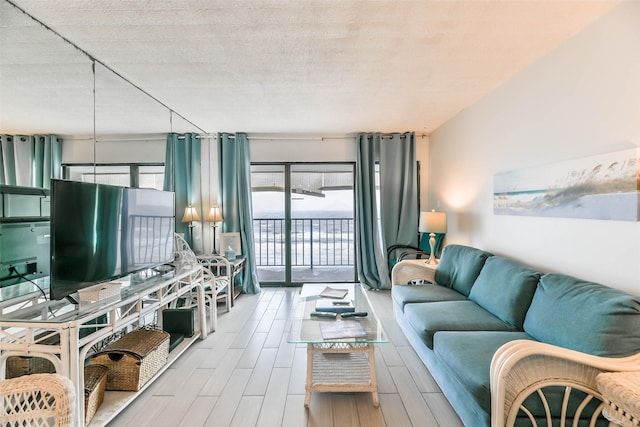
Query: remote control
[324, 314]
[341, 302]
[355, 314]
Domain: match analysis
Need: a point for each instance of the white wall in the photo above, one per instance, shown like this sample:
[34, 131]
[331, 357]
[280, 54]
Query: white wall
[581, 99]
[114, 149]
[302, 148]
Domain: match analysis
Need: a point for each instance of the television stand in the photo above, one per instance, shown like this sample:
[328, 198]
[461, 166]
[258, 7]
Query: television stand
[26, 323]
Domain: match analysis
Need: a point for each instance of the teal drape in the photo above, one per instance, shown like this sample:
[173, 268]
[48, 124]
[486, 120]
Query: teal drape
[235, 194]
[30, 160]
[399, 189]
[370, 263]
[182, 176]
[398, 202]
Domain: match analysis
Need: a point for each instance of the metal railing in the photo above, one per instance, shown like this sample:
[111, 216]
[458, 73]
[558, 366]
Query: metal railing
[314, 242]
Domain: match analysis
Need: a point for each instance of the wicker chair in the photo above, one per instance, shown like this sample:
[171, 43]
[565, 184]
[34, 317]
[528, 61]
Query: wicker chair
[215, 287]
[521, 369]
[37, 400]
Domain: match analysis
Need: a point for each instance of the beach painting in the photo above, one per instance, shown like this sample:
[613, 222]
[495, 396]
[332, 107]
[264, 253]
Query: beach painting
[604, 186]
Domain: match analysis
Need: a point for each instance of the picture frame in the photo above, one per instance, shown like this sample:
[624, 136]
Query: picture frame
[603, 186]
[231, 240]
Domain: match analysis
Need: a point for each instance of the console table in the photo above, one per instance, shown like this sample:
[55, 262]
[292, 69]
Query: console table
[28, 323]
[219, 269]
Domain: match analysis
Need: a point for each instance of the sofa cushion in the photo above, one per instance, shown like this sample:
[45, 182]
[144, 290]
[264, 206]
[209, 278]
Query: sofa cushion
[406, 294]
[584, 316]
[459, 267]
[427, 318]
[505, 288]
[467, 355]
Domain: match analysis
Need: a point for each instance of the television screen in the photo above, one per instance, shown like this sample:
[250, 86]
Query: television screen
[100, 232]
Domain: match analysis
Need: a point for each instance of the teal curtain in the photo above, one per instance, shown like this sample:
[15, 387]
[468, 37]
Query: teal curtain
[399, 189]
[235, 194]
[30, 160]
[398, 202]
[372, 269]
[182, 176]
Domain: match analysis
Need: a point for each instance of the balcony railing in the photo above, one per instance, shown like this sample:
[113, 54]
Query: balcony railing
[314, 242]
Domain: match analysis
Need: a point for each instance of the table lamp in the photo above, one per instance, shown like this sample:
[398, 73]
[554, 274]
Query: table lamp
[433, 222]
[214, 217]
[190, 215]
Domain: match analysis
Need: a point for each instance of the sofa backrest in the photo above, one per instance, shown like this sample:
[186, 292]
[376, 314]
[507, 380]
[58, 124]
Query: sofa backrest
[505, 288]
[459, 267]
[584, 316]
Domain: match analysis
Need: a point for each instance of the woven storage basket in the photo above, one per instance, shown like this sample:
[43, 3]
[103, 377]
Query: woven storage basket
[134, 358]
[18, 366]
[95, 383]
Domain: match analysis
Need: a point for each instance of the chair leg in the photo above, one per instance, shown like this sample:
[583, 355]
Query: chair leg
[214, 313]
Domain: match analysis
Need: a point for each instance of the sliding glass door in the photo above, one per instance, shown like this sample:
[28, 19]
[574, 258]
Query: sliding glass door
[304, 222]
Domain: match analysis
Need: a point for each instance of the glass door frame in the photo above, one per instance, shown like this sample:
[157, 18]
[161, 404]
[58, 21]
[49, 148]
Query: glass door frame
[287, 167]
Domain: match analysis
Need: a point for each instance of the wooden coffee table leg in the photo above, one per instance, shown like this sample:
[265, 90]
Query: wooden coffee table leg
[307, 396]
[372, 375]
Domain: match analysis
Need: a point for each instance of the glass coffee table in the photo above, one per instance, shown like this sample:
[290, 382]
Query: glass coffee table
[340, 350]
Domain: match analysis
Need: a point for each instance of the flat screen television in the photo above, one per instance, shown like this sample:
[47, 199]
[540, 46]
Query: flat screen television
[102, 232]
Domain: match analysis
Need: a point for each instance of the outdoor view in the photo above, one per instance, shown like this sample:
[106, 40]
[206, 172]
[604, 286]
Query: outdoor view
[304, 222]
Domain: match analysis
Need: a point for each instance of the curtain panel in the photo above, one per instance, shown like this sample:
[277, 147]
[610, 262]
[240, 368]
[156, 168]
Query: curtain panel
[398, 202]
[234, 168]
[182, 176]
[30, 160]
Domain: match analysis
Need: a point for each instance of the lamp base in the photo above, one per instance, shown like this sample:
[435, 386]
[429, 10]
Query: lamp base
[432, 244]
[191, 235]
[213, 248]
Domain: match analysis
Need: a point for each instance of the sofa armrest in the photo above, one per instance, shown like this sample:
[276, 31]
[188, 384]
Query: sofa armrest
[408, 270]
[521, 368]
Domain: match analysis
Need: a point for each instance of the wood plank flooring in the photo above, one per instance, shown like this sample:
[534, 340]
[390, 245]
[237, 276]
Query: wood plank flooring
[246, 374]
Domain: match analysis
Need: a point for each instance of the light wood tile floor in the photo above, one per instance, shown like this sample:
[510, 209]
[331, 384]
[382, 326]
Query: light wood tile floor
[246, 374]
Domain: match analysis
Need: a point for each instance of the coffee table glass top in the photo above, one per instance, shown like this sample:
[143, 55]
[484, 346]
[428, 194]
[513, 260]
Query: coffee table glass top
[306, 329]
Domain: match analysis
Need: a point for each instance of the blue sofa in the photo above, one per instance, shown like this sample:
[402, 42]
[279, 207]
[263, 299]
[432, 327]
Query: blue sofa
[480, 302]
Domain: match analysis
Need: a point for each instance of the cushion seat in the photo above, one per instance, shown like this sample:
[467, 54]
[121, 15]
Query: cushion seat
[431, 317]
[407, 294]
[467, 355]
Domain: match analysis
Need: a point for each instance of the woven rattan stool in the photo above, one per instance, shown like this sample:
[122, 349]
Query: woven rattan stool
[621, 395]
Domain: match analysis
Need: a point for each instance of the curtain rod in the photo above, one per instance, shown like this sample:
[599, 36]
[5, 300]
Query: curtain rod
[311, 138]
[92, 58]
[162, 138]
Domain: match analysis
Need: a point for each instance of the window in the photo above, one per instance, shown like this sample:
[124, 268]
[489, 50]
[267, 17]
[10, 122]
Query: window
[124, 175]
[303, 217]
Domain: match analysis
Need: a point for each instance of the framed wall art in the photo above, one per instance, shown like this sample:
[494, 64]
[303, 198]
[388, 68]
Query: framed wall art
[605, 186]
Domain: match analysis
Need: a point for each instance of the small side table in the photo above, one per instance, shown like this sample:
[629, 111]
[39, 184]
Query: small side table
[412, 269]
[219, 269]
[621, 395]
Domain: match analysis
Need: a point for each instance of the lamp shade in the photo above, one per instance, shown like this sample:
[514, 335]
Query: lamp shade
[433, 222]
[214, 215]
[190, 214]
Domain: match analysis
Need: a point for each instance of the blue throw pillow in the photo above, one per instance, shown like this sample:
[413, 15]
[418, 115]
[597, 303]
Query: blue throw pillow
[505, 288]
[459, 267]
[584, 316]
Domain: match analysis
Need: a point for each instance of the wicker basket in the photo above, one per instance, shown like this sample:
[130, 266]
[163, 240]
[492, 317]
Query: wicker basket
[100, 292]
[18, 366]
[95, 383]
[134, 358]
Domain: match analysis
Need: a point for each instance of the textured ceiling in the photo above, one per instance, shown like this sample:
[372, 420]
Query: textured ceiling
[267, 66]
